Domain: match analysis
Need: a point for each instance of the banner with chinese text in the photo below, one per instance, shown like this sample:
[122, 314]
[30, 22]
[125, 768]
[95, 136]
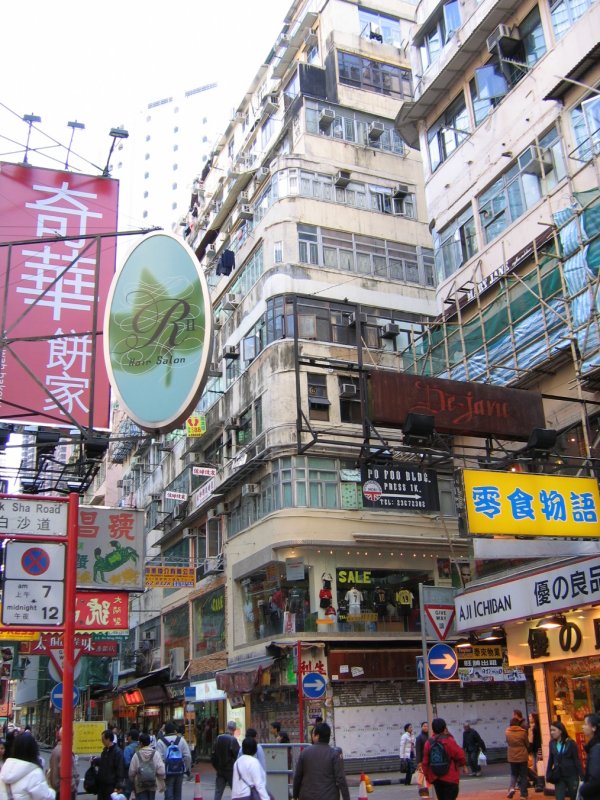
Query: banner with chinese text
[52, 369]
[110, 548]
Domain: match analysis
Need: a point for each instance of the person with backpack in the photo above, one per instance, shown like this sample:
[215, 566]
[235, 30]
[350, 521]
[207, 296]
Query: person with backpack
[146, 770]
[130, 750]
[223, 759]
[177, 757]
[442, 759]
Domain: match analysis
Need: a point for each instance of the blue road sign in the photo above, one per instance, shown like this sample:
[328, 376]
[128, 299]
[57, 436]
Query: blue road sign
[420, 669]
[57, 698]
[442, 661]
[314, 685]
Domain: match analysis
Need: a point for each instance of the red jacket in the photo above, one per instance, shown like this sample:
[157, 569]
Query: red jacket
[456, 756]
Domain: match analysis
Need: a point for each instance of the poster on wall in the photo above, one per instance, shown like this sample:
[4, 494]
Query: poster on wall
[110, 548]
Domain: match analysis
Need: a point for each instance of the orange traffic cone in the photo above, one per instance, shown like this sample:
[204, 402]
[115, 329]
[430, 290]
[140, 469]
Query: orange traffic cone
[362, 789]
[197, 789]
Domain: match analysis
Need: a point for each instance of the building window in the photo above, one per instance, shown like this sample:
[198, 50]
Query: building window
[308, 252]
[455, 244]
[176, 129]
[349, 400]
[145, 214]
[354, 127]
[540, 166]
[174, 167]
[586, 126]
[439, 33]
[448, 132]
[278, 252]
[379, 27]
[318, 403]
[146, 175]
[175, 148]
[147, 156]
[565, 13]
[145, 194]
[510, 62]
[374, 76]
[292, 88]
[148, 137]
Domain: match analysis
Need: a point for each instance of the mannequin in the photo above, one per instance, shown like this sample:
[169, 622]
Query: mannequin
[354, 598]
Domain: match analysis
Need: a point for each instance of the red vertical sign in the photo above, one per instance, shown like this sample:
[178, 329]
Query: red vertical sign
[53, 293]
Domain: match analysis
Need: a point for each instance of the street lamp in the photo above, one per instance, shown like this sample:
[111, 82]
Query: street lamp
[30, 119]
[116, 133]
[74, 126]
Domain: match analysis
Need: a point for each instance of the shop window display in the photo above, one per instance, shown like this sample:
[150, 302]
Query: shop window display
[574, 692]
[274, 604]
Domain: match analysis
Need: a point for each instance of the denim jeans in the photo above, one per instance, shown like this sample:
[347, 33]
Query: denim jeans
[174, 787]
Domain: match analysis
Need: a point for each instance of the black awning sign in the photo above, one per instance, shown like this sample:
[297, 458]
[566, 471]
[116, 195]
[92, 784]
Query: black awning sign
[391, 486]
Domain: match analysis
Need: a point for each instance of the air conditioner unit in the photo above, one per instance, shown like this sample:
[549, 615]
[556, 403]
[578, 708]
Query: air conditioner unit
[214, 565]
[239, 116]
[311, 40]
[250, 490]
[233, 424]
[231, 351]
[354, 318]
[119, 484]
[270, 103]
[180, 511]
[376, 128]
[245, 211]
[262, 173]
[348, 390]
[283, 40]
[231, 301]
[211, 251]
[504, 37]
[390, 331]
[342, 178]
[149, 635]
[244, 197]
[176, 663]
[535, 161]
[401, 190]
[326, 118]
[215, 371]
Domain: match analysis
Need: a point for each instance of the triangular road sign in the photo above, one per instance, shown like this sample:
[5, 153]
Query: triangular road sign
[441, 618]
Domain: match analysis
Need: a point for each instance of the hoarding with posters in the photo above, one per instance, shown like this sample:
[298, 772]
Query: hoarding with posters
[110, 548]
[54, 293]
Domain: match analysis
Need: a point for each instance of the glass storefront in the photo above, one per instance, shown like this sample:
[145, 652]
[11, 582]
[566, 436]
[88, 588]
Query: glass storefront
[275, 604]
[573, 692]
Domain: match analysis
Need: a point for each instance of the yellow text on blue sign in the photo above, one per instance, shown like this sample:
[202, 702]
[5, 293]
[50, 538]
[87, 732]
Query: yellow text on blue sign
[517, 504]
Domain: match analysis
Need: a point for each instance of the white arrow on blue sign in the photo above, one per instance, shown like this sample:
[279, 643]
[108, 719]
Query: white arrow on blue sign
[57, 696]
[420, 669]
[442, 661]
[314, 685]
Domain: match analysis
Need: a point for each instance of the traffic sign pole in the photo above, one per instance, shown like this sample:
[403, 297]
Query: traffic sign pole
[428, 704]
[66, 763]
[300, 692]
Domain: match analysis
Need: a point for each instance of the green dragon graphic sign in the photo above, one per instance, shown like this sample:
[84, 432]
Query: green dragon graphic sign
[158, 333]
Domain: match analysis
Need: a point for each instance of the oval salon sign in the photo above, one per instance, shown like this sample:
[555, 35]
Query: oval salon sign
[158, 333]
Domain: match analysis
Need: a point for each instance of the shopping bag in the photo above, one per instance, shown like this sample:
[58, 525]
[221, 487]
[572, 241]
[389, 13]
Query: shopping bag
[482, 760]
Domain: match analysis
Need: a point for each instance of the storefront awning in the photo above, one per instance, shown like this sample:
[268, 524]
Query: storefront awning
[156, 678]
[242, 677]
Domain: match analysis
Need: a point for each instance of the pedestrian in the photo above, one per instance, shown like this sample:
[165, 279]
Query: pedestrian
[275, 728]
[473, 745]
[53, 776]
[283, 737]
[223, 759]
[132, 739]
[319, 773]
[175, 752]
[517, 755]
[534, 738]
[419, 747]
[252, 733]
[146, 770]
[248, 774]
[21, 777]
[407, 753]
[518, 714]
[564, 768]
[590, 788]
[2, 752]
[442, 759]
[111, 767]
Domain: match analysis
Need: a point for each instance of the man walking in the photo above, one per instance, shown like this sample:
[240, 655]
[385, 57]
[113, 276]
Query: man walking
[319, 772]
[419, 747]
[111, 767]
[175, 752]
[54, 769]
[442, 758]
[223, 759]
[472, 744]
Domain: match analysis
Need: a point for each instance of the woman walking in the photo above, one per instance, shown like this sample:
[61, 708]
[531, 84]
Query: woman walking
[590, 788]
[407, 752]
[517, 755]
[564, 767]
[21, 777]
[534, 737]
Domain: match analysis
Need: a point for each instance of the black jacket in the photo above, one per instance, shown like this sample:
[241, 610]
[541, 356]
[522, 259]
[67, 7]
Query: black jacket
[472, 741]
[590, 788]
[111, 767]
[420, 745]
[567, 760]
[319, 774]
[224, 755]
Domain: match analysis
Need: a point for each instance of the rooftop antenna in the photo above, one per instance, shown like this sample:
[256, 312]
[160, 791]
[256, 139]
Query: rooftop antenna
[30, 119]
[74, 126]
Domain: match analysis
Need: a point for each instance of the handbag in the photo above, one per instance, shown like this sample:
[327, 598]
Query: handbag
[90, 780]
[254, 793]
[404, 763]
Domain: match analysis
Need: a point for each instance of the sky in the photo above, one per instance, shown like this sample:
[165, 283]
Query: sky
[100, 63]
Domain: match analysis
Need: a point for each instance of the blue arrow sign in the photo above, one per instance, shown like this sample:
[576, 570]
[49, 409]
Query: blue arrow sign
[442, 661]
[314, 685]
[57, 696]
[420, 669]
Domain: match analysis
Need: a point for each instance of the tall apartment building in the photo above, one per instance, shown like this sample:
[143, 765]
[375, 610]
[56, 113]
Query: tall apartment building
[506, 112]
[312, 229]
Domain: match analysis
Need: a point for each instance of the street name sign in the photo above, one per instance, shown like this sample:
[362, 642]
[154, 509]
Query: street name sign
[33, 517]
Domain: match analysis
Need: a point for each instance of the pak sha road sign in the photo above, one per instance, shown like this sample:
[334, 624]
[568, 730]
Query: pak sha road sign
[33, 592]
